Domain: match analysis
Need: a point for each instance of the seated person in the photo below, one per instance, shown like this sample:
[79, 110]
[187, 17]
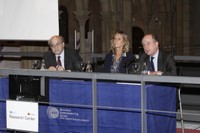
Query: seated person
[61, 58]
[116, 60]
[157, 61]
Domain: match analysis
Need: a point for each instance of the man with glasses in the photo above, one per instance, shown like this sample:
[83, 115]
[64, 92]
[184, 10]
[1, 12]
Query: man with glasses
[61, 58]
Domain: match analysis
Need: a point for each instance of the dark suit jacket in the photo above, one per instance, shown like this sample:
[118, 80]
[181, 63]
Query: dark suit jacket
[71, 58]
[122, 67]
[166, 62]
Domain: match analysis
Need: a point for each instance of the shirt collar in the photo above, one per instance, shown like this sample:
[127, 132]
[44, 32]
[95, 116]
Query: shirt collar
[124, 55]
[155, 55]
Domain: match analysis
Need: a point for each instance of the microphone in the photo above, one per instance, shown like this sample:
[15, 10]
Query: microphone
[128, 63]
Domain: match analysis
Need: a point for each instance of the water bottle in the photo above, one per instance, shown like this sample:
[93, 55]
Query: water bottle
[145, 69]
[88, 67]
[42, 65]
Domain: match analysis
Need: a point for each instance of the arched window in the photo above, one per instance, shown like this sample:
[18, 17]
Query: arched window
[137, 35]
[63, 23]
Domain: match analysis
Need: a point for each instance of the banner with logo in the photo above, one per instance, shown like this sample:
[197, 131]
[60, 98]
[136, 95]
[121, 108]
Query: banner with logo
[60, 119]
[64, 119]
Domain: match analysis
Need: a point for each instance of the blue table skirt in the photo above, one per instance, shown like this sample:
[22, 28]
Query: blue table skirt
[159, 97]
[58, 118]
[3, 95]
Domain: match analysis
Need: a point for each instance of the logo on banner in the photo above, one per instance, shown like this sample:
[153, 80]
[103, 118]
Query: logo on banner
[52, 112]
[66, 114]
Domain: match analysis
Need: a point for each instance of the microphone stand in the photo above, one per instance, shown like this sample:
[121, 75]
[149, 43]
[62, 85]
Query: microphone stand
[128, 63]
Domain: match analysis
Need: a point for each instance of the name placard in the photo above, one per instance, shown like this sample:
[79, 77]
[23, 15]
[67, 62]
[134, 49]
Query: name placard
[22, 115]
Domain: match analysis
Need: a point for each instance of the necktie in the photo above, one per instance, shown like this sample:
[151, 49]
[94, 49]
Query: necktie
[59, 61]
[151, 64]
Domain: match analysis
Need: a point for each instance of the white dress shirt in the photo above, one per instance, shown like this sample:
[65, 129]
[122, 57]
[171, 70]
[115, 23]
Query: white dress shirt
[155, 61]
[61, 58]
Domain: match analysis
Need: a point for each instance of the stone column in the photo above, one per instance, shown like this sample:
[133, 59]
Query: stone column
[82, 15]
[105, 31]
[179, 25]
[106, 19]
[186, 29]
[111, 20]
[127, 15]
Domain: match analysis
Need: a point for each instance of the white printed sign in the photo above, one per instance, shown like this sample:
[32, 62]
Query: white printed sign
[22, 115]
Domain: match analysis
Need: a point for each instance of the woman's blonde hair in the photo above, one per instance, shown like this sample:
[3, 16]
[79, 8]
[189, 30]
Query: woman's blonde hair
[126, 42]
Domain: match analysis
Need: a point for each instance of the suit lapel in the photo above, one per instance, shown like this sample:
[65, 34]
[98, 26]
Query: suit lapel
[53, 59]
[160, 61]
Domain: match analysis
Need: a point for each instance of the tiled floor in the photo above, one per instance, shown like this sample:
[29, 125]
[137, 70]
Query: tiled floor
[189, 125]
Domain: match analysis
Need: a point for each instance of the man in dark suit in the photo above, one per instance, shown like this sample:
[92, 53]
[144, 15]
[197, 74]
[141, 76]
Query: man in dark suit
[61, 58]
[157, 61]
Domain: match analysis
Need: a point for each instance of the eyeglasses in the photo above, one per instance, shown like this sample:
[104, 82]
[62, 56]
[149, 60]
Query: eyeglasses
[56, 45]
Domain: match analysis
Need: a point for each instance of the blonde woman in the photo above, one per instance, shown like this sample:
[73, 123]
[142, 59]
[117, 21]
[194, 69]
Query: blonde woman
[116, 61]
